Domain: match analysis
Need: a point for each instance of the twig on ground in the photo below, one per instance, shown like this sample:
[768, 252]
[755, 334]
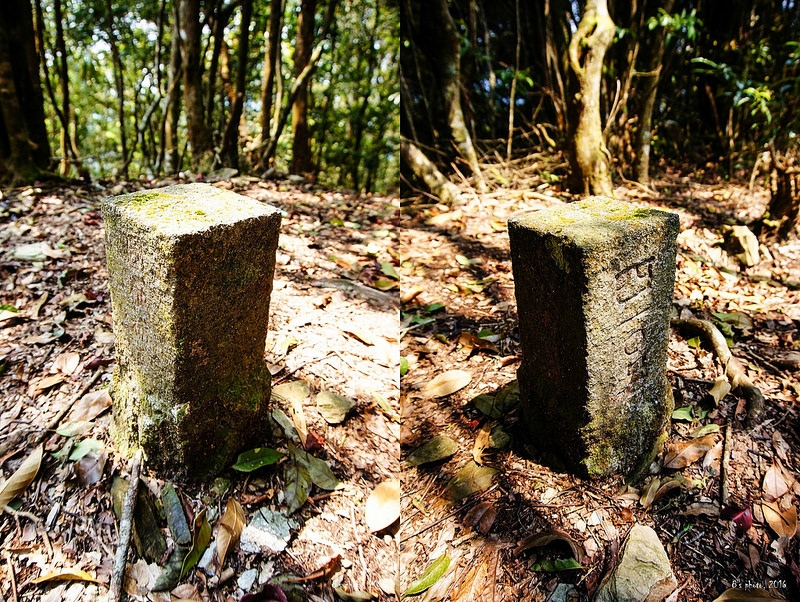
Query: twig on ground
[125, 526]
[12, 578]
[725, 466]
[754, 399]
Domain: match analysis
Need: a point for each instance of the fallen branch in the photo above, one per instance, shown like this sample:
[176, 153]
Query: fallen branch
[754, 399]
[125, 525]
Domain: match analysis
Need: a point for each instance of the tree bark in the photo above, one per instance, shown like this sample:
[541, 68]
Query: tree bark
[301, 144]
[649, 88]
[589, 156]
[271, 57]
[199, 133]
[119, 85]
[283, 110]
[449, 69]
[172, 112]
[427, 171]
[63, 76]
[24, 147]
[230, 141]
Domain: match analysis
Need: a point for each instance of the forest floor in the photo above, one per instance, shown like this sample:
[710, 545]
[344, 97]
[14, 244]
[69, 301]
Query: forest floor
[333, 327]
[508, 524]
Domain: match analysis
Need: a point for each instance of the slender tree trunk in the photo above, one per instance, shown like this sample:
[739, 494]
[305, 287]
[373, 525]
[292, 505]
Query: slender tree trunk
[283, 110]
[512, 96]
[24, 148]
[301, 141]
[119, 85]
[270, 58]
[172, 111]
[649, 89]
[449, 70]
[359, 123]
[230, 141]
[63, 76]
[590, 157]
[199, 133]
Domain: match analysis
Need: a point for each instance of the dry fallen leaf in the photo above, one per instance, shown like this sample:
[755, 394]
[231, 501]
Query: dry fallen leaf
[383, 505]
[90, 406]
[482, 441]
[360, 334]
[447, 383]
[67, 574]
[538, 540]
[682, 454]
[481, 517]
[720, 389]
[67, 363]
[774, 486]
[296, 393]
[230, 528]
[783, 522]
[22, 477]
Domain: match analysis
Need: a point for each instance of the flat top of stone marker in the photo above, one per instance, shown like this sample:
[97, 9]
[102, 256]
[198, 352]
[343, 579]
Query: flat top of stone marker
[187, 208]
[595, 220]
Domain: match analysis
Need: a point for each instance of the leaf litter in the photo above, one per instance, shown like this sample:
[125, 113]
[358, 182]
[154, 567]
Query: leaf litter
[707, 445]
[56, 358]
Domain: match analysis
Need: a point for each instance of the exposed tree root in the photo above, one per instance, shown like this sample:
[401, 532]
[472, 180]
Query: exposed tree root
[125, 527]
[740, 383]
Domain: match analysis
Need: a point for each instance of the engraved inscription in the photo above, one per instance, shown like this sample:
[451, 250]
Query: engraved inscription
[634, 280]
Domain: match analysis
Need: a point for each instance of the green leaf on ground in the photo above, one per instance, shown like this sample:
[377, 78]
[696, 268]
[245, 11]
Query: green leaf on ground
[684, 413]
[403, 365]
[333, 407]
[297, 483]
[84, 447]
[438, 448]
[469, 480]
[429, 576]
[256, 458]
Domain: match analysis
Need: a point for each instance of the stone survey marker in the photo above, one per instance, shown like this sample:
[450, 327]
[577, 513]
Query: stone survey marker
[190, 271]
[594, 284]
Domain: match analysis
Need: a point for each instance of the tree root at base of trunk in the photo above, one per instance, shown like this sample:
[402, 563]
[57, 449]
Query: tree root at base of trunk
[740, 383]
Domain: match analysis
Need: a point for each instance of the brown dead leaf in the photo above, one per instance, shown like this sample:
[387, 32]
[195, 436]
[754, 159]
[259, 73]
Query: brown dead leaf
[682, 454]
[469, 341]
[720, 389]
[359, 334]
[383, 505]
[90, 406]
[446, 383]
[482, 441]
[230, 528]
[22, 477]
[67, 574]
[44, 383]
[750, 560]
[774, 486]
[481, 517]
[67, 363]
[783, 522]
[538, 540]
[744, 595]
[781, 447]
[649, 492]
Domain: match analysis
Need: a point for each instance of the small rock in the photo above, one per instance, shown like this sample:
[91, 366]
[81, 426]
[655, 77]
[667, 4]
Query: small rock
[643, 573]
[268, 532]
[247, 579]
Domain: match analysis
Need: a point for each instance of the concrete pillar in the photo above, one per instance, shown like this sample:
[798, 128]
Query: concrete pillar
[594, 285]
[190, 272]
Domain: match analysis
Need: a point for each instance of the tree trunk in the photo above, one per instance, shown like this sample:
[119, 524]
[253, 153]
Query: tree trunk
[781, 216]
[283, 110]
[590, 158]
[426, 171]
[449, 69]
[172, 112]
[24, 147]
[649, 87]
[359, 123]
[270, 59]
[301, 144]
[63, 76]
[230, 141]
[199, 133]
[119, 85]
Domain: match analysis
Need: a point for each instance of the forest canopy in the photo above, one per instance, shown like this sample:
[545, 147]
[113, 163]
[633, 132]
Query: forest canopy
[102, 89]
[709, 85]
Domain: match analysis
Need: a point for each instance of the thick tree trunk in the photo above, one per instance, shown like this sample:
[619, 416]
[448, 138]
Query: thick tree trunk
[426, 171]
[301, 144]
[448, 64]
[199, 133]
[63, 76]
[359, 123]
[230, 141]
[649, 87]
[590, 158]
[271, 57]
[24, 147]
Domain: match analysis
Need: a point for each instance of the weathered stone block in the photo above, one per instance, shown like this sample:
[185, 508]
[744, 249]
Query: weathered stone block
[190, 272]
[594, 284]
